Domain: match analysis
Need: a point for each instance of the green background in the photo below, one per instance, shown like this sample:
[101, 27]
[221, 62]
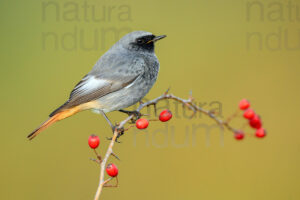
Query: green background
[205, 51]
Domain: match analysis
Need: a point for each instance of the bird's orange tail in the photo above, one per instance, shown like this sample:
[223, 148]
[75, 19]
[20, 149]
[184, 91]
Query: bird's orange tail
[57, 117]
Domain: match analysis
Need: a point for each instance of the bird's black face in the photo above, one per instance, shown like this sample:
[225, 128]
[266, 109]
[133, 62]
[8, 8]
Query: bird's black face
[146, 42]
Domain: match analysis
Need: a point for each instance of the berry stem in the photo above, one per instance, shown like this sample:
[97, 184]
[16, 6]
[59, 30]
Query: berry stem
[116, 185]
[98, 156]
[235, 114]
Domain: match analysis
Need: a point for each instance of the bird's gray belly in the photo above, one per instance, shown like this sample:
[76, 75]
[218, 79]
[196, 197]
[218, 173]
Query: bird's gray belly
[131, 94]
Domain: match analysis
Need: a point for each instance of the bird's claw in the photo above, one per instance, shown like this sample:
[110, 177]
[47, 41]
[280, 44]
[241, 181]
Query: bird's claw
[136, 114]
[120, 132]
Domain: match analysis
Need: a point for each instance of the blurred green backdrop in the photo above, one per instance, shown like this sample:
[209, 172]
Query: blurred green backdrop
[221, 50]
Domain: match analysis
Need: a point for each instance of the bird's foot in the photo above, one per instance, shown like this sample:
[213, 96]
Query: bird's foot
[136, 114]
[120, 133]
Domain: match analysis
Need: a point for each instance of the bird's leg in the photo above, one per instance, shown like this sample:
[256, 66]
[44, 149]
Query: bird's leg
[108, 121]
[120, 130]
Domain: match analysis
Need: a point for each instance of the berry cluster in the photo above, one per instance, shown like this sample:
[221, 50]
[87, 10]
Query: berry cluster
[164, 116]
[254, 121]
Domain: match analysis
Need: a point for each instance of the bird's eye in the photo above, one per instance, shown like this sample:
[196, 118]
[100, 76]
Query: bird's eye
[140, 41]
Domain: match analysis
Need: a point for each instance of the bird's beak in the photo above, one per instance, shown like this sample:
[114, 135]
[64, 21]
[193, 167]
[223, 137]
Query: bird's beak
[157, 38]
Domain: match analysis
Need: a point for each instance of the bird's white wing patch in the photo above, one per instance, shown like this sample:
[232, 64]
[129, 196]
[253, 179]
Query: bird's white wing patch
[89, 84]
[93, 84]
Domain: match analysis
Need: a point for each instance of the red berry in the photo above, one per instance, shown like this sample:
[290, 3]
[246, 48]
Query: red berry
[142, 123]
[94, 141]
[239, 135]
[112, 170]
[260, 133]
[244, 104]
[165, 115]
[255, 122]
[249, 113]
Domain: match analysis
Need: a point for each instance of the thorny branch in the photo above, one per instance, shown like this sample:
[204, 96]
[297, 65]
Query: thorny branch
[185, 102]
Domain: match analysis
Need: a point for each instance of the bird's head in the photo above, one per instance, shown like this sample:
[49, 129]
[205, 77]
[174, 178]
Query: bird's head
[140, 41]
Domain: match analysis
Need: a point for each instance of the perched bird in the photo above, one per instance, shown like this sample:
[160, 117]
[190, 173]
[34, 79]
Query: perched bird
[119, 79]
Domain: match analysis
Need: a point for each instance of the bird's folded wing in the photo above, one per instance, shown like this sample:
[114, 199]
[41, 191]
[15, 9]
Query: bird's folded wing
[99, 83]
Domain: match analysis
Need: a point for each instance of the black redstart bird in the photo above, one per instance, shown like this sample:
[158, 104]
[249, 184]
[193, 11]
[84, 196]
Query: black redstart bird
[119, 79]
